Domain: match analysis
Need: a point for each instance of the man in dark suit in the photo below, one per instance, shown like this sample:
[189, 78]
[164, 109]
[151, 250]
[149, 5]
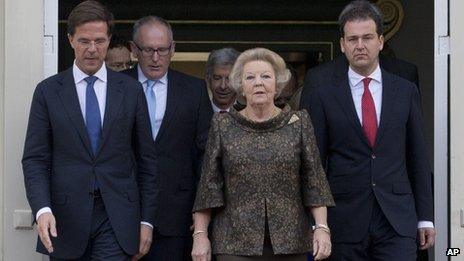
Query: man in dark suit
[88, 141]
[180, 115]
[368, 125]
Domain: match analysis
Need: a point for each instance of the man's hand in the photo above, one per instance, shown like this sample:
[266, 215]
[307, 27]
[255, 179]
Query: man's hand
[46, 223]
[426, 237]
[146, 237]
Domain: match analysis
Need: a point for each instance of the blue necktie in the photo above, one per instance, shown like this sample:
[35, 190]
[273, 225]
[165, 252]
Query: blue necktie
[92, 114]
[151, 102]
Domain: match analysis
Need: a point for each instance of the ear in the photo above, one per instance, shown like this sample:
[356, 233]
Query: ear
[381, 41]
[173, 48]
[133, 49]
[342, 44]
[207, 81]
[70, 39]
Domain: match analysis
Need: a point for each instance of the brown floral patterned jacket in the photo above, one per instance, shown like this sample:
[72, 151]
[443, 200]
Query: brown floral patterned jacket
[258, 171]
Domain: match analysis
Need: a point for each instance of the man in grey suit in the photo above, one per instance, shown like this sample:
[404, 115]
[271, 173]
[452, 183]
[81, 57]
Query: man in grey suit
[88, 158]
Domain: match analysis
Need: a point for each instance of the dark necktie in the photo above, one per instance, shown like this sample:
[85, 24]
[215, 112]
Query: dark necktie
[222, 111]
[92, 114]
[369, 115]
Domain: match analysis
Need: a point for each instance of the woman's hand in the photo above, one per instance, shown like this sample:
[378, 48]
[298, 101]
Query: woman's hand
[321, 244]
[201, 250]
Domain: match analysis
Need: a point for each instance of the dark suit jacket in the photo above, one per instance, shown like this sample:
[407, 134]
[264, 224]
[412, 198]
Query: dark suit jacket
[401, 68]
[179, 146]
[60, 168]
[396, 172]
[395, 66]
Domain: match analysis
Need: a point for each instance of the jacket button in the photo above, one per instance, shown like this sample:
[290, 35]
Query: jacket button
[373, 184]
[373, 156]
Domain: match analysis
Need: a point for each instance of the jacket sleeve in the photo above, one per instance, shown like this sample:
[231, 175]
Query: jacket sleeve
[210, 188]
[316, 190]
[144, 150]
[419, 171]
[37, 155]
[205, 113]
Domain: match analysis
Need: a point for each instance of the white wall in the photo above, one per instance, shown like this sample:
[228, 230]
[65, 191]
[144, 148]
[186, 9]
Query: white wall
[22, 24]
[2, 84]
[457, 122]
[440, 105]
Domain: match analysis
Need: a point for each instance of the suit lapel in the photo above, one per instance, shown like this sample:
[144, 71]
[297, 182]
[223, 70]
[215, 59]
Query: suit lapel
[389, 91]
[343, 95]
[173, 97]
[114, 97]
[70, 101]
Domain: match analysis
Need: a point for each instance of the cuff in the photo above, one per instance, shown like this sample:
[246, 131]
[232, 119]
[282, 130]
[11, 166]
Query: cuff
[146, 224]
[42, 211]
[425, 224]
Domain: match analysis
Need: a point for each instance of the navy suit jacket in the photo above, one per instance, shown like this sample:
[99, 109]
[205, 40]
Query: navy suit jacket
[179, 146]
[60, 168]
[395, 172]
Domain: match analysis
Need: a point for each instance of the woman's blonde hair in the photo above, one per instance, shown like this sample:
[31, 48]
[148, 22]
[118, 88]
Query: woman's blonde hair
[259, 54]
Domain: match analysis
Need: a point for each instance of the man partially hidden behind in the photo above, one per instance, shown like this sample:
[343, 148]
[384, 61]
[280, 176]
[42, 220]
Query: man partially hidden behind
[218, 67]
[180, 115]
[369, 130]
[118, 57]
[89, 157]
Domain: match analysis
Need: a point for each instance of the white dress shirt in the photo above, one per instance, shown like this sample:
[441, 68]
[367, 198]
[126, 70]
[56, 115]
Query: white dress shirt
[357, 90]
[99, 87]
[161, 95]
[217, 109]
[375, 86]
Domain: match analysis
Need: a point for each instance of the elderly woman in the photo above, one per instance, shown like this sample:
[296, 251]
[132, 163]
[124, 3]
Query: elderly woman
[262, 175]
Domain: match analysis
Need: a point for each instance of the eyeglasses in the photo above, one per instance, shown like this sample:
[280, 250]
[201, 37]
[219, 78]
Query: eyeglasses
[87, 43]
[148, 52]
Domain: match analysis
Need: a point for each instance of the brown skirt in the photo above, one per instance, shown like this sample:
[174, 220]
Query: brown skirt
[268, 253]
[298, 257]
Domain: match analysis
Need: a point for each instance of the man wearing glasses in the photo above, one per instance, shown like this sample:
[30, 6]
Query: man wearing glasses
[180, 113]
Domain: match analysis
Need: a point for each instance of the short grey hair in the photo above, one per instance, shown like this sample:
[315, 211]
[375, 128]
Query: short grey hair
[224, 57]
[259, 54]
[151, 19]
[360, 10]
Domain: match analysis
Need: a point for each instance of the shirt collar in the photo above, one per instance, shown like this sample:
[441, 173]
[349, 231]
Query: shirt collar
[142, 78]
[355, 78]
[217, 109]
[79, 75]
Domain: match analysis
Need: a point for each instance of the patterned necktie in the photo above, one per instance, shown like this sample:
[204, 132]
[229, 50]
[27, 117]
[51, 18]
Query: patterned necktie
[92, 114]
[369, 115]
[151, 102]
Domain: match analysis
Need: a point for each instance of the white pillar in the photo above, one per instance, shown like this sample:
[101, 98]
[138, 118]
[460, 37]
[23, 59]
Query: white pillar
[21, 32]
[441, 128]
[2, 122]
[456, 10]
